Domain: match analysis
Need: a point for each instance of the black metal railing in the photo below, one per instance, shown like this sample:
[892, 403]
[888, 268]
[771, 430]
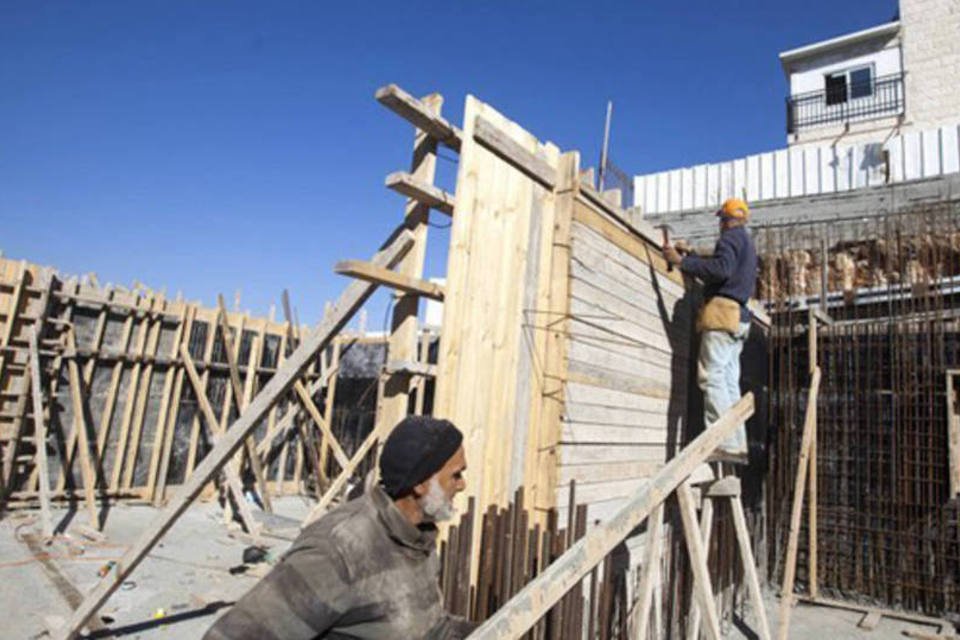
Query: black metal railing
[845, 102]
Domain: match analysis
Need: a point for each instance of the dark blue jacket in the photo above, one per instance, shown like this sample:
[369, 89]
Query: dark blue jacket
[730, 272]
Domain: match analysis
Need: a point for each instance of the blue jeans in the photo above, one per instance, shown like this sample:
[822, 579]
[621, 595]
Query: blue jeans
[718, 374]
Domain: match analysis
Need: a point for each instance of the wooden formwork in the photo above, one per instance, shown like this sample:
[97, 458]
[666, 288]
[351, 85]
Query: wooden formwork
[564, 355]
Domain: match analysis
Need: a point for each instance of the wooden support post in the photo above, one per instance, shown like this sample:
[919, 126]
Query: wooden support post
[80, 428]
[12, 314]
[698, 560]
[651, 571]
[314, 412]
[789, 571]
[332, 374]
[140, 412]
[40, 437]
[749, 566]
[522, 611]
[231, 470]
[205, 379]
[129, 407]
[706, 529]
[238, 394]
[171, 422]
[352, 299]
[812, 505]
[394, 404]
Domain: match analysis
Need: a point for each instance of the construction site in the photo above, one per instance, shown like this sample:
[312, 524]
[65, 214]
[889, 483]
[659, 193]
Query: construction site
[159, 456]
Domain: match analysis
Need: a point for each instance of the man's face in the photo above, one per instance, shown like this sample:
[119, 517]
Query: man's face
[435, 495]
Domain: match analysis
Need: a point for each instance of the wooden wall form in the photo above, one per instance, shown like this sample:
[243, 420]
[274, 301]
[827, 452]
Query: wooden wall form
[566, 343]
[142, 416]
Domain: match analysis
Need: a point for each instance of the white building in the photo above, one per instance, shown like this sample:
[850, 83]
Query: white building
[872, 107]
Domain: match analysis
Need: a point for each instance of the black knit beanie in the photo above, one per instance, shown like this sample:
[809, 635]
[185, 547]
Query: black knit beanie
[416, 449]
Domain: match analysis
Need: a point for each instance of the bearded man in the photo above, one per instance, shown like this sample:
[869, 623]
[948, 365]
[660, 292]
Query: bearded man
[368, 568]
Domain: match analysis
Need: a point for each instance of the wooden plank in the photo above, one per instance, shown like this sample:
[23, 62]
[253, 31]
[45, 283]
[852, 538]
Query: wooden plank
[410, 368]
[140, 413]
[371, 273]
[205, 378]
[790, 568]
[231, 469]
[704, 530]
[15, 298]
[630, 241]
[651, 573]
[352, 299]
[171, 428]
[394, 400]
[329, 402]
[40, 437]
[80, 427]
[749, 564]
[130, 405]
[239, 396]
[522, 611]
[345, 474]
[314, 412]
[423, 192]
[494, 139]
[419, 115]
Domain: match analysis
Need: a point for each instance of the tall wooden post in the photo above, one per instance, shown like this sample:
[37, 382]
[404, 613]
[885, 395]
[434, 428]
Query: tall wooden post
[402, 344]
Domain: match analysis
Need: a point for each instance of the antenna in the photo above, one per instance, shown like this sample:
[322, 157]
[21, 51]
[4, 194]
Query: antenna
[606, 147]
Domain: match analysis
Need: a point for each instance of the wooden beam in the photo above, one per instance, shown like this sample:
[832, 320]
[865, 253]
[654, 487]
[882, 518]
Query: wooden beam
[410, 368]
[378, 275]
[698, 561]
[80, 428]
[314, 412]
[240, 399]
[424, 193]
[419, 115]
[651, 573]
[350, 301]
[522, 611]
[749, 563]
[40, 437]
[341, 480]
[231, 469]
[508, 149]
[790, 569]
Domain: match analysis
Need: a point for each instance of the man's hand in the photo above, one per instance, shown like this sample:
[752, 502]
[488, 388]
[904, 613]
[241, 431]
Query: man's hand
[672, 255]
[682, 247]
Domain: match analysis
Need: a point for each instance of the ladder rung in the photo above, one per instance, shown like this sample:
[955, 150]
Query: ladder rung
[433, 197]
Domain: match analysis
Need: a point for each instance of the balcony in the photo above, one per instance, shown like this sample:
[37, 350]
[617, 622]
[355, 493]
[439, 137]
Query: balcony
[846, 100]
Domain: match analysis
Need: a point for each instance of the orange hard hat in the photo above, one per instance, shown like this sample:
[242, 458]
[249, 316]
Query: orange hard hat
[734, 208]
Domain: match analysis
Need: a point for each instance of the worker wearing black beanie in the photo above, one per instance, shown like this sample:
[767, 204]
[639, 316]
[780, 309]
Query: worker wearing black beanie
[416, 449]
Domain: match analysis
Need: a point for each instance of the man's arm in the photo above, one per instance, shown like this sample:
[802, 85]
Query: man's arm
[716, 268]
[301, 598]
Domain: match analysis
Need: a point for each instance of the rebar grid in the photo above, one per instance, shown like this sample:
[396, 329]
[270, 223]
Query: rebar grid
[887, 524]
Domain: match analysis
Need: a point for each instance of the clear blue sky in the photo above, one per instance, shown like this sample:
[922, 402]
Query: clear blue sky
[211, 146]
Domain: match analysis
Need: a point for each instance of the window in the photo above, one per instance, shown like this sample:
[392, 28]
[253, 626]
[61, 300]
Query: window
[849, 85]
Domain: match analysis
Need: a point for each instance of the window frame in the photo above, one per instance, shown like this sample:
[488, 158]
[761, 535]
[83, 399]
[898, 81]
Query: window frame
[846, 74]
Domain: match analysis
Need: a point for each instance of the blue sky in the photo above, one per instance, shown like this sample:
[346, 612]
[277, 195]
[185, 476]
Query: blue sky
[214, 146]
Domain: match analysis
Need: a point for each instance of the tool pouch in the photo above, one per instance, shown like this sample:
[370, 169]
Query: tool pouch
[719, 314]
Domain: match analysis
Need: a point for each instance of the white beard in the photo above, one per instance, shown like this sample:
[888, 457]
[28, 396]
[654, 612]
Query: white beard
[435, 505]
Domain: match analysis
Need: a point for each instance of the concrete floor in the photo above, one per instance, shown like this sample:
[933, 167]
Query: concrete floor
[188, 577]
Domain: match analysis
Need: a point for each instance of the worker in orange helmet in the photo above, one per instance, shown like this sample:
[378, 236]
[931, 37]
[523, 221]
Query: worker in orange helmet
[729, 277]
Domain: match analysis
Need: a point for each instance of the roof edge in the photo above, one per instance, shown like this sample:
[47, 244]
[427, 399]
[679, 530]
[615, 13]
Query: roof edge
[792, 55]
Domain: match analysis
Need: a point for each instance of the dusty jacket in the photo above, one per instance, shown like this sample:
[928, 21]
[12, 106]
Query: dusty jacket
[361, 571]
